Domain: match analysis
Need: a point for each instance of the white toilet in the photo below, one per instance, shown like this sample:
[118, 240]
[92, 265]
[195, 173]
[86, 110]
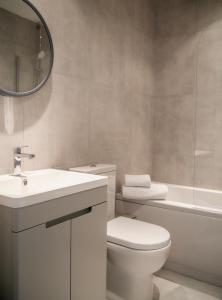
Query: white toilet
[136, 249]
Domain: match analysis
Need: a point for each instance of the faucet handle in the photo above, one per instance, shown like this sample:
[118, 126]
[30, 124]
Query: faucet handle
[18, 150]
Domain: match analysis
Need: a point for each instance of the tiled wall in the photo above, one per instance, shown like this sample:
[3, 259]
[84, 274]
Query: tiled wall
[13, 39]
[188, 89]
[97, 106]
[122, 68]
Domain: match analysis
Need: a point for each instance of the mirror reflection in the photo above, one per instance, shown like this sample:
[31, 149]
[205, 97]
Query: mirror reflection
[25, 49]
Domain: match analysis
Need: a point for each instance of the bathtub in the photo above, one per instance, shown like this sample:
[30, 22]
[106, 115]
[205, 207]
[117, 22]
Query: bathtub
[193, 216]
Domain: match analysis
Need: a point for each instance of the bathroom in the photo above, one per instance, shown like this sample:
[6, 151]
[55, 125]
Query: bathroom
[135, 84]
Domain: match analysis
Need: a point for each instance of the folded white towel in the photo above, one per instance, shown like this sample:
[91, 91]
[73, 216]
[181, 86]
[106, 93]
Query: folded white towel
[156, 192]
[138, 180]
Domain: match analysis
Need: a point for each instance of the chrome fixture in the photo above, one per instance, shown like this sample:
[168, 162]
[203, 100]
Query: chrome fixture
[39, 58]
[18, 156]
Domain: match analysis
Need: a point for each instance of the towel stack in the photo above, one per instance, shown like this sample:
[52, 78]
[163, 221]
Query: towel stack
[140, 187]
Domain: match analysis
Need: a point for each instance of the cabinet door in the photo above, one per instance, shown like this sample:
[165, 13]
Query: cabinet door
[42, 259]
[88, 255]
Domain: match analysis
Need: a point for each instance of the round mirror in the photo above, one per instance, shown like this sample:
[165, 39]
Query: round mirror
[26, 49]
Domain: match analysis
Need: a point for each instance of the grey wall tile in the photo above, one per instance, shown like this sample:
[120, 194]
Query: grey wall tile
[187, 62]
[175, 65]
[9, 142]
[173, 167]
[175, 17]
[209, 67]
[135, 83]
[97, 103]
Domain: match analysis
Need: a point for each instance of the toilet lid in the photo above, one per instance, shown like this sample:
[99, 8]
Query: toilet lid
[136, 234]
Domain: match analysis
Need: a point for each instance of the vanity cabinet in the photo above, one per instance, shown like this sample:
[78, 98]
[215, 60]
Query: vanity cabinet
[55, 251]
[88, 258]
[42, 260]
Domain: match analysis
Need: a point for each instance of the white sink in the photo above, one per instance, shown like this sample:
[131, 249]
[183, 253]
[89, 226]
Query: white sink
[45, 185]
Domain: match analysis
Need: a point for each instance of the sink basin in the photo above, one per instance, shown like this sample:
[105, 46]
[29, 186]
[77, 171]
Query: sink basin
[45, 185]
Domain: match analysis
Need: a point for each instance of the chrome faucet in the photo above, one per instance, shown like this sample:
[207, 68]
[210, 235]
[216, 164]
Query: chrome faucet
[18, 155]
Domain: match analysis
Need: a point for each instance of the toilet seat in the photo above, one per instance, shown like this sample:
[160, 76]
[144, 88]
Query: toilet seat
[137, 235]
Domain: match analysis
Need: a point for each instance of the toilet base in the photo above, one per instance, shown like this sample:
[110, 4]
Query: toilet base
[125, 286]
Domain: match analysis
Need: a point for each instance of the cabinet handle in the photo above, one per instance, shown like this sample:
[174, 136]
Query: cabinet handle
[63, 219]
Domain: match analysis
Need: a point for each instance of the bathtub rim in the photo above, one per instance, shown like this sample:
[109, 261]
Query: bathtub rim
[173, 205]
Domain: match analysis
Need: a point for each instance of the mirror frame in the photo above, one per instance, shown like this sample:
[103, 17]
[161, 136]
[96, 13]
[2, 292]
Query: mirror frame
[4, 92]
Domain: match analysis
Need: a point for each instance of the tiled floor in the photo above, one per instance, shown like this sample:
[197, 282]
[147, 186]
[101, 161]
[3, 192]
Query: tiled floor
[172, 286]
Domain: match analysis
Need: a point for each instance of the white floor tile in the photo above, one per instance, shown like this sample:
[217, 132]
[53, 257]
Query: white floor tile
[173, 286]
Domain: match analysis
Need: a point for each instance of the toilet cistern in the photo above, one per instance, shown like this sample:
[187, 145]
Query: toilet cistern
[18, 155]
